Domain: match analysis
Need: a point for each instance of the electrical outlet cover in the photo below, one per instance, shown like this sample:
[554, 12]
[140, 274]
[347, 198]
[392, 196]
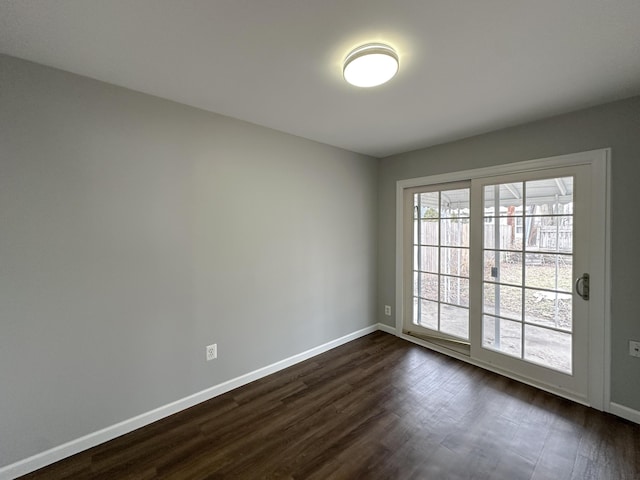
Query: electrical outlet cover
[212, 352]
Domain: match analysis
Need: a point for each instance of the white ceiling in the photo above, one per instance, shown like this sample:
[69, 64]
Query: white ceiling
[466, 66]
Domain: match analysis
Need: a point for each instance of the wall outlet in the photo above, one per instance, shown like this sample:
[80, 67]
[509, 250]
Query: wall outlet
[212, 351]
[387, 310]
[634, 348]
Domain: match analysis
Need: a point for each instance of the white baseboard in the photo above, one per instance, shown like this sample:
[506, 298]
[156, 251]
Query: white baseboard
[78, 445]
[624, 412]
[387, 328]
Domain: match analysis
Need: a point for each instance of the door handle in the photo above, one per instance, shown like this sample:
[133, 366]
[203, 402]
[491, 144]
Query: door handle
[584, 280]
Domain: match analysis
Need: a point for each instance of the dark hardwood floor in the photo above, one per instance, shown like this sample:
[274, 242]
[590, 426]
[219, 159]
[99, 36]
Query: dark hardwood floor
[376, 408]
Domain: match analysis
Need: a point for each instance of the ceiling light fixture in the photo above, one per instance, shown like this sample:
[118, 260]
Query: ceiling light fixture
[370, 65]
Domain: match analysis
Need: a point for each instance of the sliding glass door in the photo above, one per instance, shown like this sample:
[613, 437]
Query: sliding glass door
[497, 268]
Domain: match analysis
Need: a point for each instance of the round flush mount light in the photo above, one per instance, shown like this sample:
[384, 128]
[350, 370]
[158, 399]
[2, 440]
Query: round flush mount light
[370, 65]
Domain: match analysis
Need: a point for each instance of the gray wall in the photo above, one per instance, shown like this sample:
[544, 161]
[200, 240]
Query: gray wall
[615, 125]
[134, 231]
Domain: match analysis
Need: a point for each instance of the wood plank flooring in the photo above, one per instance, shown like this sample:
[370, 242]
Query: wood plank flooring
[375, 408]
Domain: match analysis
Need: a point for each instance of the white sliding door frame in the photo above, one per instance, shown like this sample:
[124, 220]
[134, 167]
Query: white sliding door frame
[598, 395]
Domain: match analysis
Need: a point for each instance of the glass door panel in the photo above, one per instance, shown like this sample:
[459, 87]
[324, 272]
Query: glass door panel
[520, 218]
[527, 252]
[440, 261]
